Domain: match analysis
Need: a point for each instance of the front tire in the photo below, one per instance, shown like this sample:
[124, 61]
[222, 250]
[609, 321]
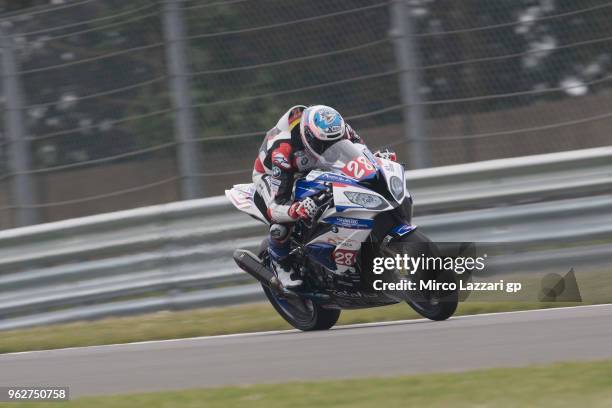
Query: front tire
[433, 305]
[303, 314]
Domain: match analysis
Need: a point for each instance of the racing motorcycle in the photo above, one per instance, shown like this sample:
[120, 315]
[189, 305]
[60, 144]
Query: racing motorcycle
[364, 212]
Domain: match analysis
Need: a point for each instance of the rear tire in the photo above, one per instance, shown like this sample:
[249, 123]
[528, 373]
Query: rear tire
[303, 314]
[306, 317]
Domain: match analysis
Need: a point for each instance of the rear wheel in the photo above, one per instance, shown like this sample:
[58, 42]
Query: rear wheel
[303, 314]
[431, 304]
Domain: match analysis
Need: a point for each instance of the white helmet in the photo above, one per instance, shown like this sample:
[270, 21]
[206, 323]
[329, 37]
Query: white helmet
[321, 127]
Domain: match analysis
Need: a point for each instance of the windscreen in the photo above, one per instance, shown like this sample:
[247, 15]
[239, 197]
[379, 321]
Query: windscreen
[351, 159]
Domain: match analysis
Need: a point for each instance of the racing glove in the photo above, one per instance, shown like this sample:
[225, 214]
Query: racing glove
[305, 209]
[386, 154]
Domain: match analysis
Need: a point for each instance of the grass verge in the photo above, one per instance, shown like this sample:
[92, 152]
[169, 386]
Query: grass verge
[558, 386]
[206, 322]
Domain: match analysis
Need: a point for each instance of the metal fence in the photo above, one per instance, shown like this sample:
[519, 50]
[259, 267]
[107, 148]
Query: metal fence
[178, 256]
[112, 105]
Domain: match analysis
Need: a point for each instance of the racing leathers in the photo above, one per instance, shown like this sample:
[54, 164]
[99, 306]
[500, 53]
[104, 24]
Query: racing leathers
[281, 156]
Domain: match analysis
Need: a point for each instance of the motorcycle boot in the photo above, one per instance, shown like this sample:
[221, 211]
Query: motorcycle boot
[279, 255]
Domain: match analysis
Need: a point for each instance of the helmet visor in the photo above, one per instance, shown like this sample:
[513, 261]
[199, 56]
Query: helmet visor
[317, 145]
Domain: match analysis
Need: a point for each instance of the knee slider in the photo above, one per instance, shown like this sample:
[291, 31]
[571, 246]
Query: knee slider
[279, 232]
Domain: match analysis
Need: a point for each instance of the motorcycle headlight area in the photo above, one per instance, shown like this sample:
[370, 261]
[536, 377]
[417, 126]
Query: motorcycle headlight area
[397, 187]
[369, 201]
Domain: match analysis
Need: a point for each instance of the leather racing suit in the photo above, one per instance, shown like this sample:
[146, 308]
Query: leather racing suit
[281, 156]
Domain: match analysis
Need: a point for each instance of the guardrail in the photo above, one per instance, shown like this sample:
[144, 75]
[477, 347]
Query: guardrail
[178, 255]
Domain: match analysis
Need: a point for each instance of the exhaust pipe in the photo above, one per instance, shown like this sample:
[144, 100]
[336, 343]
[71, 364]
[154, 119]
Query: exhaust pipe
[248, 262]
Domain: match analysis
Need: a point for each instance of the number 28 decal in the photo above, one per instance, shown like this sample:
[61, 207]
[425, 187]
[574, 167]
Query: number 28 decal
[345, 257]
[358, 168]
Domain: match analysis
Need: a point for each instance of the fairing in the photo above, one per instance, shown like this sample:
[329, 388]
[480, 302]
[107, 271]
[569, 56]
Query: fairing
[362, 189]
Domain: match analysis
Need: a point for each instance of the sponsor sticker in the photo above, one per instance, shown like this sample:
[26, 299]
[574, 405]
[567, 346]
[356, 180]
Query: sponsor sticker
[281, 161]
[352, 223]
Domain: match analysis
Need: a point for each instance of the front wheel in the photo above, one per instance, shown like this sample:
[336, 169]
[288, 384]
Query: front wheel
[436, 304]
[431, 304]
[303, 314]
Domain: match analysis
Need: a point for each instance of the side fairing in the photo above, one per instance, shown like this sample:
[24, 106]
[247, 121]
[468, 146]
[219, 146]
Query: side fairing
[338, 248]
[351, 226]
[307, 188]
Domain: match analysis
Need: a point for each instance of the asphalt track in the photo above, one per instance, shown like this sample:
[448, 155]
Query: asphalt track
[380, 349]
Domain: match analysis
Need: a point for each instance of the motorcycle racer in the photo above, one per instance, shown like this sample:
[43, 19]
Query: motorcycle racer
[292, 147]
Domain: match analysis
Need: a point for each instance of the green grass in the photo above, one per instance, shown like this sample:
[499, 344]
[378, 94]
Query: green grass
[556, 386]
[205, 322]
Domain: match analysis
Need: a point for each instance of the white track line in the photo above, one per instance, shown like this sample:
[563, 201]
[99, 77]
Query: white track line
[272, 332]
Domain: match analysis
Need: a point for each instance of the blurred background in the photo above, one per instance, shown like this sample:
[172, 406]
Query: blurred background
[109, 105]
